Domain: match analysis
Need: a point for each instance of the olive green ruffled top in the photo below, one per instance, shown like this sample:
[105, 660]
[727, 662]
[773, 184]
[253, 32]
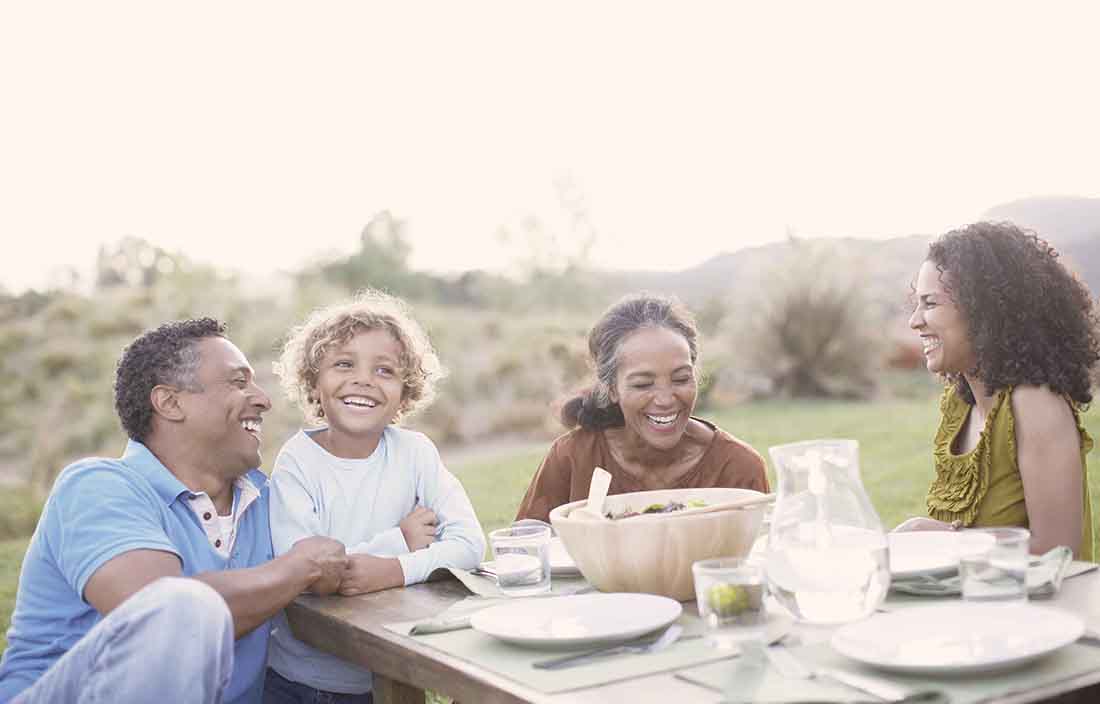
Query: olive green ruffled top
[983, 487]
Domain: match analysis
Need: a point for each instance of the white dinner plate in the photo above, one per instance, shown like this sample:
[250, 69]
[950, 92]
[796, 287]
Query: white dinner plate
[581, 619]
[958, 638]
[924, 552]
[561, 564]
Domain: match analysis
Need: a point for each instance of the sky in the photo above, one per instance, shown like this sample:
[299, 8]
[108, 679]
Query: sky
[258, 136]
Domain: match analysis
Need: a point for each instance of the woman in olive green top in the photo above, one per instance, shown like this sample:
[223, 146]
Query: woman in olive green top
[1016, 336]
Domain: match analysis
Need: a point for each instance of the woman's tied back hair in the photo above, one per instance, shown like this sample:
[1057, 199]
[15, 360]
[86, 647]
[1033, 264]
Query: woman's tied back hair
[1030, 320]
[593, 408]
[166, 355]
[299, 364]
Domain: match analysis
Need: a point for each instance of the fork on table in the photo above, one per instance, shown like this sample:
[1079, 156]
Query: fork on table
[789, 665]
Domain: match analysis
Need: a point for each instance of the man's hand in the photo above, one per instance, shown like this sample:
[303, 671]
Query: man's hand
[327, 560]
[367, 573]
[419, 528]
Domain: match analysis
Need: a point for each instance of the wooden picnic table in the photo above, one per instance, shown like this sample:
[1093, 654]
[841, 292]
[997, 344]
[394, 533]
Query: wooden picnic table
[353, 628]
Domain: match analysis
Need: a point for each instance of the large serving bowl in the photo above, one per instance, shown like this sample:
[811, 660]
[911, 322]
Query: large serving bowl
[653, 553]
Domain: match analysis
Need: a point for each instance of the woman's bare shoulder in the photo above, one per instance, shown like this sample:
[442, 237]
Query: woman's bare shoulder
[1037, 410]
[1039, 402]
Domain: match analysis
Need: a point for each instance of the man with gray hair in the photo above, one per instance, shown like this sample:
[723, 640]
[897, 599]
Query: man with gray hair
[150, 577]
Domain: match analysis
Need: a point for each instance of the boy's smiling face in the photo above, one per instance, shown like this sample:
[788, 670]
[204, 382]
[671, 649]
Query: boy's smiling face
[359, 387]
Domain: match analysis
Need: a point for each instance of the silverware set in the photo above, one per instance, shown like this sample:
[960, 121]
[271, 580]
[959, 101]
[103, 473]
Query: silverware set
[789, 665]
[484, 572]
[649, 645]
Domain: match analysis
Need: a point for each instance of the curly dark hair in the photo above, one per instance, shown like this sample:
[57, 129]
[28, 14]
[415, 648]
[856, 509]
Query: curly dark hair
[1031, 321]
[593, 408]
[167, 354]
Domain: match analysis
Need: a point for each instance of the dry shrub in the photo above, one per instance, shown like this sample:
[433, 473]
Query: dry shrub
[506, 370]
[811, 332]
[905, 355]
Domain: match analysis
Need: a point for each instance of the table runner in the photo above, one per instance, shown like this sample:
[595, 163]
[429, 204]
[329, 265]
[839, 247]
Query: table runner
[487, 587]
[517, 663]
[741, 681]
[897, 599]
[1043, 580]
[697, 662]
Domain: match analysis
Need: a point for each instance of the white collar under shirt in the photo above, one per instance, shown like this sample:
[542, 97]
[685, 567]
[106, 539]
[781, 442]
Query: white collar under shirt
[221, 531]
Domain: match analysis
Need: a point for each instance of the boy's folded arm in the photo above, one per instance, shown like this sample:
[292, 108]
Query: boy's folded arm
[417, 565]
[388, 543]
[461, 542]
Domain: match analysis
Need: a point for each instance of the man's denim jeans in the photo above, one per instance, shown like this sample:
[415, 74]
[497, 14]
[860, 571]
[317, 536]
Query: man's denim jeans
[171, 641]
[280, 690]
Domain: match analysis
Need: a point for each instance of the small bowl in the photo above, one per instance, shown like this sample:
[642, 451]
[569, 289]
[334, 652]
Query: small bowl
[653, 553]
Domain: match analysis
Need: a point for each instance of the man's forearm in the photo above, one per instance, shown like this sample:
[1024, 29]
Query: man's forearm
[255, 594]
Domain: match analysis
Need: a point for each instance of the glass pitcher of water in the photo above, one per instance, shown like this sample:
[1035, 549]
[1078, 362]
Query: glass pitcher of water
[827, 559]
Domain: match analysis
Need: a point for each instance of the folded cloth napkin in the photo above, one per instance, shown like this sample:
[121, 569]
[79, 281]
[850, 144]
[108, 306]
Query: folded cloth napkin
[455, 617]
[480, 584]
[458, 616]
[1044, 577]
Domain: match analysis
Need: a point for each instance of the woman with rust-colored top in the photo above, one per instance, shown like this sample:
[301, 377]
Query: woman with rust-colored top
[636, 421]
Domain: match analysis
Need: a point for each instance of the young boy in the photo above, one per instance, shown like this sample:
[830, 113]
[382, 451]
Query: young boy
[356, 368]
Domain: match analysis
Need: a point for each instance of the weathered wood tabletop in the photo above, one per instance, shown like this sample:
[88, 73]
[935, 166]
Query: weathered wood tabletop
[353, 628]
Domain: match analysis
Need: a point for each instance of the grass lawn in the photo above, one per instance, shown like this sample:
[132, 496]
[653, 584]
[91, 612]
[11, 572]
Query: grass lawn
[895, 439]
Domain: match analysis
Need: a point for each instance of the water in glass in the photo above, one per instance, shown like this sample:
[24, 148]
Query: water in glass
[521, 559]
[729, 593]
[994, 569]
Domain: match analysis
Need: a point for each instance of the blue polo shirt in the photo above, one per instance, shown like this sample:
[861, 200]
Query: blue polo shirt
[99, 509]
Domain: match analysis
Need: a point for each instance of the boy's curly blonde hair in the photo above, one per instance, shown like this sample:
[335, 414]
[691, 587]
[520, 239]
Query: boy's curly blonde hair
[299, 364]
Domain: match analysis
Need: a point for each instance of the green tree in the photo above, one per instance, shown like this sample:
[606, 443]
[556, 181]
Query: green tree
[382, 262]
[133, 261]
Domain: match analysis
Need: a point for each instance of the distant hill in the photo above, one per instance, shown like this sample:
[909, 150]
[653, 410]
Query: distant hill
[1067, 219]
[1071, 224]
[886, 266]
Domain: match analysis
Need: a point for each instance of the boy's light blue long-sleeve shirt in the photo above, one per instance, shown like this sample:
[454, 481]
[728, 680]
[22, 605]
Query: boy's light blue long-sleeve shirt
[360, 503]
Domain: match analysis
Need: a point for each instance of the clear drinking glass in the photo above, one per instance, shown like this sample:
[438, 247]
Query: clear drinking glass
[827, 559]
[993, 564]
[521, 559]
[730, 594]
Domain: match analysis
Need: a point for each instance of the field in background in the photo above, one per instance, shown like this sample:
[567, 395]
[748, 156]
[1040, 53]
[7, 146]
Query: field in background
[895, 455]
[894, 439]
